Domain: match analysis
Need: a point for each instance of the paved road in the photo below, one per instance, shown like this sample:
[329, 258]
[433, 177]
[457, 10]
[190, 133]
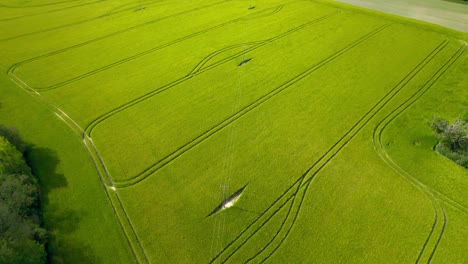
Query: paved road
[447, 13]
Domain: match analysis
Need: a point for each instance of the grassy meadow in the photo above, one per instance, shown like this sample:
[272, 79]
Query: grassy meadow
[146, 115]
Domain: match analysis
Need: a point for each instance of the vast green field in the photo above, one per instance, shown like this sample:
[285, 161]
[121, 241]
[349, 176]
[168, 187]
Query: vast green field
[146, 115]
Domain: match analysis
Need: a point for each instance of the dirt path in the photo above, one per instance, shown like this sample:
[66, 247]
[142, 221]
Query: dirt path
[442, 12]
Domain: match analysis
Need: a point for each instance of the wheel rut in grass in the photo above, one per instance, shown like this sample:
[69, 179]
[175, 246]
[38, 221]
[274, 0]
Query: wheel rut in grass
[426, 254]
[250, 107]
[256, 15]
[304, 181]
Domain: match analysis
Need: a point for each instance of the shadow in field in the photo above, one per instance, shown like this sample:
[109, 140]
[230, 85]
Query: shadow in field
[71, 252]
[44, 162]
[59, 219]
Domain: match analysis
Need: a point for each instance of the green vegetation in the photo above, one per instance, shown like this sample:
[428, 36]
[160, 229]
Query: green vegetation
[22, 240]
[453, 139]
[146, 117]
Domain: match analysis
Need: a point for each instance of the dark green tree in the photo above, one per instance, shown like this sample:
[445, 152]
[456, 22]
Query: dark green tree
[453, 139]
[22, 239]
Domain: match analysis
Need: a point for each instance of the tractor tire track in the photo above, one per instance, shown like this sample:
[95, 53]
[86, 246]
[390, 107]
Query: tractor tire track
[105, 15]
[395, 91]
[39, 5]
[49, 11]
[456, 205]
[197, 70]
[440, 205]
[382, 102]
[168, 44]
[439, 209]
[12, 69]
[46, 12]
[133, 5]
[216, 128]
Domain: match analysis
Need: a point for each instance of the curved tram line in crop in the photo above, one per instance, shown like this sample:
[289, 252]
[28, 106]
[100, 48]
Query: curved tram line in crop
[38, 5]
[216, 128]
[266, 12]
[200, 68]
[44, 12]
[302, 183]
[120, 213]
[439, 210]
[104, 176]
[112, 12]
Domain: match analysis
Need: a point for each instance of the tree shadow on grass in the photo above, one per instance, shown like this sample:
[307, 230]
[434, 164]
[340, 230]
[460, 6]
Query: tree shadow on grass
[71, 252]
[60, 220]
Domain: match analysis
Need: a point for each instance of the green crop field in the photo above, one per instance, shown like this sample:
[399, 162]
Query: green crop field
[147, 116]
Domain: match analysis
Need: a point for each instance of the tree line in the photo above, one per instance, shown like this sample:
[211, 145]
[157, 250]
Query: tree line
[453, 139]
[22, 239]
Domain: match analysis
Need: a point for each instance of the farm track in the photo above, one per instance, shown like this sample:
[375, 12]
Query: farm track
[331, 152]
[262, 13]
[198, 70]
[119, 211]
[105, 15]
[439, 210]
[46, 12]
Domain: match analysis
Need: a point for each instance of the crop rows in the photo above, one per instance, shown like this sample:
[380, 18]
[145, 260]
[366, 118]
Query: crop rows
[259, 238]
[304, 181]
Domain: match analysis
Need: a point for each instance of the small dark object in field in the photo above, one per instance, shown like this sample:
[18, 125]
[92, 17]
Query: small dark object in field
[244, 62]
[252, 7]
[140, 9]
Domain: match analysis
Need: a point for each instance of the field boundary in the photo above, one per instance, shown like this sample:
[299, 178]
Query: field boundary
[119, 211]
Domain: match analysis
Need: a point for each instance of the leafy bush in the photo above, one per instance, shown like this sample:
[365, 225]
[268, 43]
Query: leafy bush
[453, 139]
